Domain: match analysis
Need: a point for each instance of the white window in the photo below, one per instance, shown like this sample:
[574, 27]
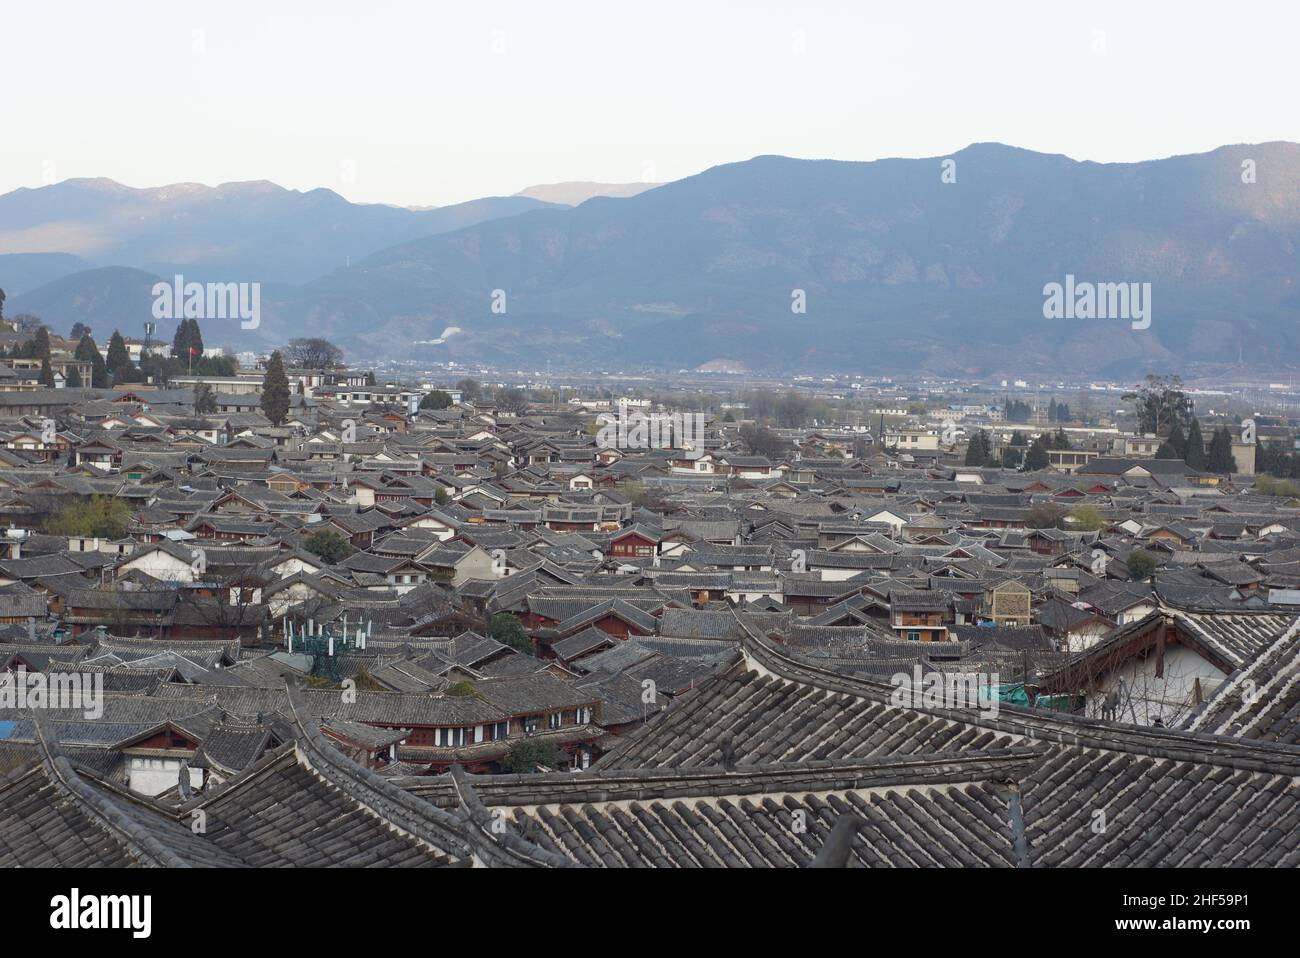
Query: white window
[450, 737]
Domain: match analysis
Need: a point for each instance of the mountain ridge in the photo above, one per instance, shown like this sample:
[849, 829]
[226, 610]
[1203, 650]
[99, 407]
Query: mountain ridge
[246, 231]
[576, 192]
[899, 269]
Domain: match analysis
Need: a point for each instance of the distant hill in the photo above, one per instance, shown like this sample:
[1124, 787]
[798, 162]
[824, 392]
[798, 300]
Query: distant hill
[236, 232]
[112, 297]
[571, 194]
[20, 272]
[900, 269]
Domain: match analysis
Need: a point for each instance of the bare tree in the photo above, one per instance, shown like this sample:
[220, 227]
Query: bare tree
[512, 400]
[1137, 687]
[232, 609]
[313, 353]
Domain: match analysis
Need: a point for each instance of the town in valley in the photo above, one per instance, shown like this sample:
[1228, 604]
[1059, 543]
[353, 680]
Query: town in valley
[619, 619]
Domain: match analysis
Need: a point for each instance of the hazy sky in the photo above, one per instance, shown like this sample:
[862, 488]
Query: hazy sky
[428, 103]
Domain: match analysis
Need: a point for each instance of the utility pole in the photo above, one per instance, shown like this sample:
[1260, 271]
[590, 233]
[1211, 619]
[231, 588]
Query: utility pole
[149, 329]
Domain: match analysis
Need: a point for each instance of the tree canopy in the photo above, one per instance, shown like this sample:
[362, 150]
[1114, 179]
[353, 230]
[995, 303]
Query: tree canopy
[275, 390]
[1036, 458]
[328, 545]
[205, 400]
[313, 352]
[187, 344]
[1193, 452]
[118, 360]
[512, 400]
[1140, 564]
[979, 450]
[1044, 515]
[762, 441]
[87, 351]
[526, 754]
[1219, 458]
[1087, 518]
[507, 630]
[104, 517]
[1160, 404]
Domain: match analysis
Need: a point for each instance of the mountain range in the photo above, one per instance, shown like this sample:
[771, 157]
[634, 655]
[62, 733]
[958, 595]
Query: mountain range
[575, 193]
[934, 265]
[253, 232]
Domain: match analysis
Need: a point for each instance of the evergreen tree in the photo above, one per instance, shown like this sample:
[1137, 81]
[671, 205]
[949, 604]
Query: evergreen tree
[42, 341]
[328, 545]
[1267, 460]
[187, 344]
[1220, 455]
[1036, 458]
[47, 373]
[438, 399]
[74, 378]
[507, 630]
[88, 352]
[118, 359]
[1194, 454]
[1017, 410]
[275, 390]
[1140, 564]
[527, 755]
[977, 450]
[98, 372]
[1178, 442]
[86, 348]
[1051, 411]
[1274, 459]
[196, 337]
